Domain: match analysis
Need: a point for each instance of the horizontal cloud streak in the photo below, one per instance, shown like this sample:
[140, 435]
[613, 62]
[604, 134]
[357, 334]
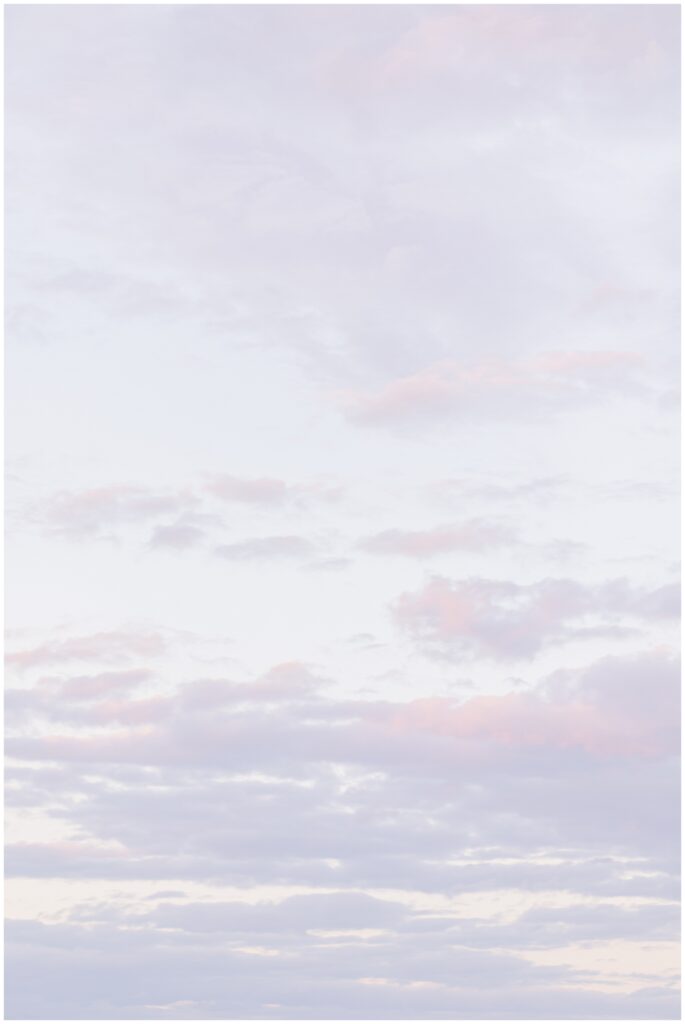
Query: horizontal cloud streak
[503, 620]
[276, 782]
[476, 535]
[541, 386]
[267, 547]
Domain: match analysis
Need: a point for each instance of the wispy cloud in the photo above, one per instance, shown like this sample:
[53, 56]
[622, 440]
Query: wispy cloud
[112, 646]
[83, 513]
[341, 512]
[267, 547]
[504, 619]
[475, 535]
[537, 387]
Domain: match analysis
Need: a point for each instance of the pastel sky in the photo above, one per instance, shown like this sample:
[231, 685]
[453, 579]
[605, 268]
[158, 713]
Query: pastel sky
[342, 522]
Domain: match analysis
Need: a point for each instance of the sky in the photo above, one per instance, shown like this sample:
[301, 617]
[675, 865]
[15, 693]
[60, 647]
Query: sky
[342, 517]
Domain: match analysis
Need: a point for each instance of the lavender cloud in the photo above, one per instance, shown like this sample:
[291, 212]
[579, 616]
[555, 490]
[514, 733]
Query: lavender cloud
[543, 385]
[476, 535]
[502, 619]
[384, 290]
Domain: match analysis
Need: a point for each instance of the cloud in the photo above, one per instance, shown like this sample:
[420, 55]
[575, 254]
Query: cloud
[442, 844]
[268, 491]
[328, 911]
[475, 535]
[418, 784]
[111, 646]
[540, 386]
[618, 719]
[288, 681]
[267, 547]
[241, 960]
[53, 691]
[90, 512]
[350, 911]
[607, 704]
[179, 535]
[472, 44]
[105, 698]
[537, 489]
[361, 217]
[179, 518]
[502, 619]
[259, 491]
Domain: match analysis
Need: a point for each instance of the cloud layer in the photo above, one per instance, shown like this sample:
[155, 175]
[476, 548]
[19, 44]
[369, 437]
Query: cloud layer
[272, 782]
[342, 519]
[508, 620]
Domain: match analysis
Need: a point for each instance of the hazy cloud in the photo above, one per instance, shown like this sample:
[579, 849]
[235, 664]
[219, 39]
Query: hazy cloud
[503, 619]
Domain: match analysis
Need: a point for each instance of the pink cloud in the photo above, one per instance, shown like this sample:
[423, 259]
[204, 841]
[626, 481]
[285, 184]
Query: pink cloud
[268, 491]
[473, 44]
[79, 513]
[113, 646]
[618, 706]
[178, 535]
[145, 711]
[100, 685]
[580, 719]
[476, 535]
[540, 385]
[503, 619]
[292, 680]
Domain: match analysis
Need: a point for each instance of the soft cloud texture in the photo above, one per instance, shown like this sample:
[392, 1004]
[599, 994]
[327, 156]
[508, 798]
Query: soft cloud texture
[108, 647]
[270, 782]
[506, 620]
[471, 536]
[543, 386]
[267, 547]
[89, 512]
[342, 525]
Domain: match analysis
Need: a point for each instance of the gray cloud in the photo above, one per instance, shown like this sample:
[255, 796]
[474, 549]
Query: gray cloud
[223, 769]
[137, 972]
